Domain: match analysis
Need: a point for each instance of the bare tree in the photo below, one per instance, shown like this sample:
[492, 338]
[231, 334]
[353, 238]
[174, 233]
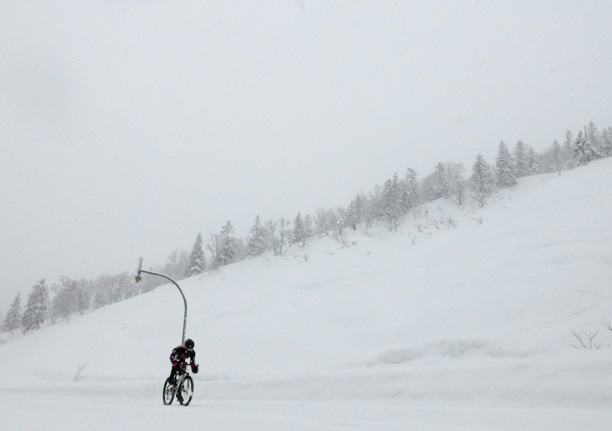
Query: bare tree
[585, 340]
[214, 246]
[112, 288]
[284, 234]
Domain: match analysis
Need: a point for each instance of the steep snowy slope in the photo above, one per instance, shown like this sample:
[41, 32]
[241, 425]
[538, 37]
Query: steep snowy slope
[460, 305]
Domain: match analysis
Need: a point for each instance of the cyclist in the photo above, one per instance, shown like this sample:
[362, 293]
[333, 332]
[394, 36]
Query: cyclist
[179, 355]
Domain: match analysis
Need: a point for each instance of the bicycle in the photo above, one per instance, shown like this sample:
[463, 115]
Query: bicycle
[182, 387]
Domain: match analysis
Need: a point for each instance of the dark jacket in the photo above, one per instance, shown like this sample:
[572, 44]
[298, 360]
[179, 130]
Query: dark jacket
[181, 353]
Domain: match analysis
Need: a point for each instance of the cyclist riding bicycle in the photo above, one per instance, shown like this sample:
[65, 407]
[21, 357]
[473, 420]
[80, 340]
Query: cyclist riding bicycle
[178, 357]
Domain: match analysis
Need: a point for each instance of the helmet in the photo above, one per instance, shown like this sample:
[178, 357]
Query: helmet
[189, 343]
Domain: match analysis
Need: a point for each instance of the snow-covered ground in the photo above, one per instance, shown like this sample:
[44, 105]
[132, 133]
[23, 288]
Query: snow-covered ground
[462, 319]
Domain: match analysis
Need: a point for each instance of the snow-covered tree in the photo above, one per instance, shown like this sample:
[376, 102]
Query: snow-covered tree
[307, 222]
[62, 304]
[450, 179]
[37, 308]
[272, 236]
[109, 289]
[12, 321]
[323, 222]
[299, 231]
[553, 159]
[410, 190]
[370, 211]
[568, 150]
[520, 159]
[606, 142]
[593, 135]
[177, 264]
[227, 250]
[430, 188]
[240, 250]
[506, 176]
[584, 152]
[256, 243]
[340, 216]
[278, 235]
[83, 292]
[284, 233]
[445, 182]
[533, 162]
[72, 296]
[214, 246]
[443, 179]
[391, 201]
[224, 247]
[568, 144]
[481, 181]
[355, 211]
[197, 259]
[557, 156]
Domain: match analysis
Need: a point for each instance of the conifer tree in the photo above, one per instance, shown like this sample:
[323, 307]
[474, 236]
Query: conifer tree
[568, 150]
[520, 158]
[410, 198]
[557, 153]
[569, 141]
[505, 167]
[256, 243]
[606, 142]
[391, 201]
[482, 183]
[533, 162]
[227, 245]
[592, 135]
[12, 321]
[355, 211]
[584, 152]
[197, 259]
[283, 234]
[307, 226]
[299, 232]
[37, 307]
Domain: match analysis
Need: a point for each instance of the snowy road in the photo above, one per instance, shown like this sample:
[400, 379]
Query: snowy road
[39, 410]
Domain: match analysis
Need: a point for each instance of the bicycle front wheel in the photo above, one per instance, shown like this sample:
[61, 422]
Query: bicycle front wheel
[168, 394]
[186, 391]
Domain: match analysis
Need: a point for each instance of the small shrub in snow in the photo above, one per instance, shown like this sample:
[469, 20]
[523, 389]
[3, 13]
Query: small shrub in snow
[585, 340]
[80, 369]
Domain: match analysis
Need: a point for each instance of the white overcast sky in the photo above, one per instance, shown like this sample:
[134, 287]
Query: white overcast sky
[129, 126]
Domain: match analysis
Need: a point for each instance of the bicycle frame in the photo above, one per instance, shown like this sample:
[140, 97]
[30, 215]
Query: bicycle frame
[177, 389]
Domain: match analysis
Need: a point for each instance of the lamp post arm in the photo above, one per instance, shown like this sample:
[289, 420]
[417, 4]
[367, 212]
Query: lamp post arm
[177, 286]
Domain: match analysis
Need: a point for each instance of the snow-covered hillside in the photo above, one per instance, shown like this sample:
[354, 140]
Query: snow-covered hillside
[462, 319]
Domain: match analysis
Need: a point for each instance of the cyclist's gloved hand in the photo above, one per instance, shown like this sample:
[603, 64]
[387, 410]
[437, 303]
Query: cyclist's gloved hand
[195, 368]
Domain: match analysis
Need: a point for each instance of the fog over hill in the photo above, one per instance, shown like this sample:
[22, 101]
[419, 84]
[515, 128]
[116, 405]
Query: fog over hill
[462, 318]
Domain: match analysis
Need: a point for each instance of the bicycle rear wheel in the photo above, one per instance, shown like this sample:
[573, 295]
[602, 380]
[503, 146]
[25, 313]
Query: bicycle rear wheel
[168, 394]
[186, 391]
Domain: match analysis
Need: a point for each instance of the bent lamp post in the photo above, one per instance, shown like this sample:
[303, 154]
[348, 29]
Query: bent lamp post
[138, 278]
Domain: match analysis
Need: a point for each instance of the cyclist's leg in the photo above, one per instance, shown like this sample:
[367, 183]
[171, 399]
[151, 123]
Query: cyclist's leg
[174, 372]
